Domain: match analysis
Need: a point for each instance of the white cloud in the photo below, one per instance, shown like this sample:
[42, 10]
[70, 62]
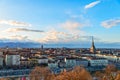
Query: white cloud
[54, 36]
[21, 29]
[74, 27]
[14, 38]
[72, 32]
[71, 25]
[110, 23]
[92, 4]
[14, 23]
[18, 37]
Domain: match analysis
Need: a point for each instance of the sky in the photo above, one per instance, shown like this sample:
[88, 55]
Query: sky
[60, 21]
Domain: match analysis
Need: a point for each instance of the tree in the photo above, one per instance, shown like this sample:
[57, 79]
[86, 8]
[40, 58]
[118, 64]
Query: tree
[12, 78]
[41, 73]
[118, 76]
[99, 75]
[109, 73]
[78, 73]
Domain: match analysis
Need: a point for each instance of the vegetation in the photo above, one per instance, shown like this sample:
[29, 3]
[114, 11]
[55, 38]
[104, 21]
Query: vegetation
[78, 73]
[41, 73]
[110, 73]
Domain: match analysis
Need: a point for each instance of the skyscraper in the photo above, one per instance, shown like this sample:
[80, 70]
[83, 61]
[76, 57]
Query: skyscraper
[93, 49]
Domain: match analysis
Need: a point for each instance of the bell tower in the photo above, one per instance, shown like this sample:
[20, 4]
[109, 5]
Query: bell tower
[93, 49]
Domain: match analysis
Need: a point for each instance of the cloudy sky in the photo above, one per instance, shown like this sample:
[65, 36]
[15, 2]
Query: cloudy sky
[60, 21]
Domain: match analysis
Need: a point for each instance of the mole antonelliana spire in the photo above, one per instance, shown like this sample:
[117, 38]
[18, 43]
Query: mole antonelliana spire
[93, 49]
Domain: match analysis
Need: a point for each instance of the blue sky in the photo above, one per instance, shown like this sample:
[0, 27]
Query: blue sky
[60, 21]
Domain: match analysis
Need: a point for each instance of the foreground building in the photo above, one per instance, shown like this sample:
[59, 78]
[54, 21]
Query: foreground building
[94, 61]
[1, 59]
[12, 60]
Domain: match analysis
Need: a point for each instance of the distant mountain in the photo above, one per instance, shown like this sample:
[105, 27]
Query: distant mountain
[19, 44]
[58, 45]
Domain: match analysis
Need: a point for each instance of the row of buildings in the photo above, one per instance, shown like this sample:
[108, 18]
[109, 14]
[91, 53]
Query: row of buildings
[55, 57]
[63, 61]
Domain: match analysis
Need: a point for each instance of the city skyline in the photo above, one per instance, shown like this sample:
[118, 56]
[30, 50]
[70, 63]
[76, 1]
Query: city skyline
[60, 21]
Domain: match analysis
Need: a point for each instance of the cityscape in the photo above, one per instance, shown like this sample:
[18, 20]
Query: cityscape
[19, 62]
[59, 40]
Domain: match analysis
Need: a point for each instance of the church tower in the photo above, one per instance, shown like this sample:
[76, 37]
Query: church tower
[93, 49]
[42, 49]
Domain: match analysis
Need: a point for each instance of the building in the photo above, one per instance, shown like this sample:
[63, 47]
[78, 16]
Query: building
[25, 62]
[52, 64]
[1, 58]
[94, 61]
[70, 62]
[81, 62]
[42, 60]
[12, 59]
[93, 49]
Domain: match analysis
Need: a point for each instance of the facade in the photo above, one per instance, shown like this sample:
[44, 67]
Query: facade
[70, 62]
[82, 62]
[1, 53]
[98, 62]
[52, 64]
[24, 62]
[42, 60]
[12, 60]
[1, 58]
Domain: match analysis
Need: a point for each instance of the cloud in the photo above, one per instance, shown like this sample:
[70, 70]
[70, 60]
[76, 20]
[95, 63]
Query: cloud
[92, 4]
[110, 23]
[71, 25]
[21, 29]
[14, 38]
[14, 23]
[74, 27]
[18, 37]
[72, 32]
[54, 36]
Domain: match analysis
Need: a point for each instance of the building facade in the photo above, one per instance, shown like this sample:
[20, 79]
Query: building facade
[12, 60]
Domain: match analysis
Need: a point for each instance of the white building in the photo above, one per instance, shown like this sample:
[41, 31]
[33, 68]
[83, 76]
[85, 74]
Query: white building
[98, 61]
[42, 60]
[12, 59]
[1, 58]
[70, 62]
[52, 64]
[109, 57]
[82, 62]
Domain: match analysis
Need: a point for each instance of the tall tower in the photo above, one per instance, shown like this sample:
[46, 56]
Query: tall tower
[93, 49]
[42, 49]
